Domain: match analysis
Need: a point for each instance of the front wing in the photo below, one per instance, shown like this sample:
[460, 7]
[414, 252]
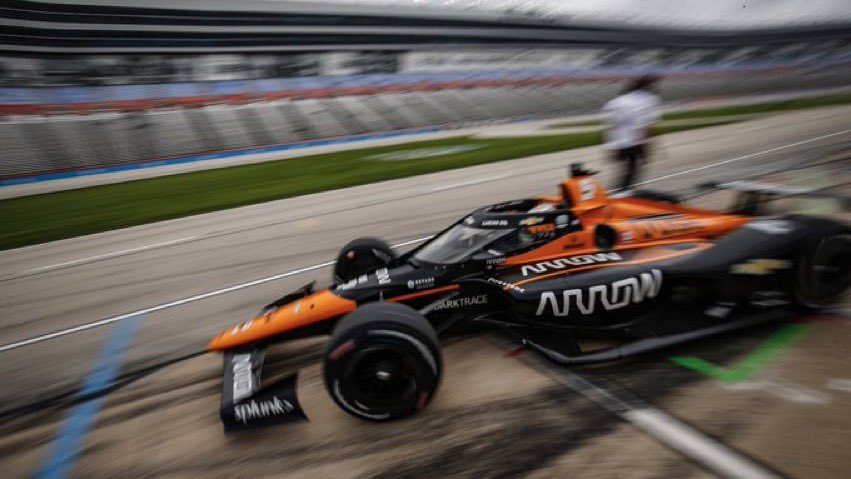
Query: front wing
[245, 404]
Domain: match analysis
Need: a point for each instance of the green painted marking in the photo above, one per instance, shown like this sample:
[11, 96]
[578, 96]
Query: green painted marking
[748, 367]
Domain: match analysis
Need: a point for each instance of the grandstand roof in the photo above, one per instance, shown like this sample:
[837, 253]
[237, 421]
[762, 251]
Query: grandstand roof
[218, 26]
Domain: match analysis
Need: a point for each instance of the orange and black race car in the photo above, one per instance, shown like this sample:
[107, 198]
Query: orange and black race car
[642, 270]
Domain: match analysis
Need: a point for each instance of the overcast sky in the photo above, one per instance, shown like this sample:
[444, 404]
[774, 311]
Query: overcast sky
[716, 13]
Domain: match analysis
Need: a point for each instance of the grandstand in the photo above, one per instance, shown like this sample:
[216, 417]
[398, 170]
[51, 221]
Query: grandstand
[93, 84]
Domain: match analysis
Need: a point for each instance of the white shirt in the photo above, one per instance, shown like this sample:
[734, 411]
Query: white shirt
[628, 117]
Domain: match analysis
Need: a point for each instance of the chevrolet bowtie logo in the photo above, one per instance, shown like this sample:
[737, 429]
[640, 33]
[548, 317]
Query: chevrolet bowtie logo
[760, 267]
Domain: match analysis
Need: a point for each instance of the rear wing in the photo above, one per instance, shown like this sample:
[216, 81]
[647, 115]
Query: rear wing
[753, 193]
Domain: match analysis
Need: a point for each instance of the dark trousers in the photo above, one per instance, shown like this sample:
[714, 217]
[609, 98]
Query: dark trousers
[631, 159]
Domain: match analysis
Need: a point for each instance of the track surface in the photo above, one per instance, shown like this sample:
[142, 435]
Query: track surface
[495, 415]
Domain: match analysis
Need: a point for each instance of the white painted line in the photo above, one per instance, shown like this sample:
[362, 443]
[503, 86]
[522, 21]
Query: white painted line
[109, 255]
[743, 157]
[695, 445]
[657, 424]
[839, 384]
[467, 183]
[413, 241]
[179, 302]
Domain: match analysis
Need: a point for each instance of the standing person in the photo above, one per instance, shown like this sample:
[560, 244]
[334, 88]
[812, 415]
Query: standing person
[629, 117]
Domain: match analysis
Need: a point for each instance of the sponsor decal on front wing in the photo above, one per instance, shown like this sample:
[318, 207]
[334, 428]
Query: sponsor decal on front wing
[246, 404]
[252, 410]
[245, 380]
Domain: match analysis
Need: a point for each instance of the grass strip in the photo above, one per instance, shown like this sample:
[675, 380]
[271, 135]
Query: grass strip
[768, 107]
[65, 214]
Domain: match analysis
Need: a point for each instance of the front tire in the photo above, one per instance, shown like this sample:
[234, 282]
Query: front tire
[383, 362]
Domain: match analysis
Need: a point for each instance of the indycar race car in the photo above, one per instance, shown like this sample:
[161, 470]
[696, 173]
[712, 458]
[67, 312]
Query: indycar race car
[639, 269]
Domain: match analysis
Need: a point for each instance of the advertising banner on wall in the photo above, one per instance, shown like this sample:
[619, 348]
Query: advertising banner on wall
[359, 63]
[467, 60]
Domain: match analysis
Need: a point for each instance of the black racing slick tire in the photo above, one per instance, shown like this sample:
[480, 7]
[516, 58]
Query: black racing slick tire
[823, 272]
[361, 256]
[383, 362]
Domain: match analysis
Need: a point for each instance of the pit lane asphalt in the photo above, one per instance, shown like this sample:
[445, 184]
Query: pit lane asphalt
[41, 294]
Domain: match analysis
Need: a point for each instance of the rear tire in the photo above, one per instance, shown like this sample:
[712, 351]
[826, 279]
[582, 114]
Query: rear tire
[361, 256]
[383, 362]
[823, 272]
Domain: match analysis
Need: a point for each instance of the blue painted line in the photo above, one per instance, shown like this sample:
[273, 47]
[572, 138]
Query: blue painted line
[210, 156]
[69, 440]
